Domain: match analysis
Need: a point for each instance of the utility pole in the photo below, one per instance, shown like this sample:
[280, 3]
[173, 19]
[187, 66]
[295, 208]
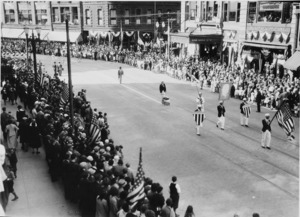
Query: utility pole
[70, 76]
[168, 47]
[34, 60]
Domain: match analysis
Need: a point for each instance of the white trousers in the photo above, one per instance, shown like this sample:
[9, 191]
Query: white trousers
[266, 139]
[198, 128]
[221, 122]
[244, 119]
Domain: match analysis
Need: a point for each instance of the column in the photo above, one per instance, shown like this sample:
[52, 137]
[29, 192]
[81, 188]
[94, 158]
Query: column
[16, 12]
[182, 17]
[33, 13]
[3, 12]
[49, 20]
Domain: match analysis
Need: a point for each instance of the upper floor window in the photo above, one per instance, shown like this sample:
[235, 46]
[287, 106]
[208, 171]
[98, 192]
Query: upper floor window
[10, 16]
[88, 17]
[25, 17]
[138, 17]
[75, 19]
[149, 16]
[55, 15]
[113, 17]
[100, 17]
[209, 11]
[41, 17]
[126, 15]
[178, 16]
[225, 12]
[64, 14]
[280, 12]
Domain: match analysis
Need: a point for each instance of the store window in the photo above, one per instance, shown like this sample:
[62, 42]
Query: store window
[75, 19]
[269, 12]
[138, 16]
[88, 17]
[252, 12]
[113, 17]
[55, 15]
[64, 14]
[149, 16]
[41, 17]
[127, 16]
[100, 17]
[25, 17]
[10, 16]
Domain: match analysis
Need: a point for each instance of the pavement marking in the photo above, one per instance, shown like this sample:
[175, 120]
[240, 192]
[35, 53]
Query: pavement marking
[140, 93]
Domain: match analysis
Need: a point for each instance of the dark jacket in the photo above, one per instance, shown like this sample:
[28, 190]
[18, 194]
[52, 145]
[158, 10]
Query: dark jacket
[241, 107]
[221, 110]
[258, 97]
[266, 125]
[162, 87]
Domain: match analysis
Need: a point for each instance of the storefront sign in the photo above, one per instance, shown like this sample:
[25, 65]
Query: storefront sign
[205, 39]
[270, 6]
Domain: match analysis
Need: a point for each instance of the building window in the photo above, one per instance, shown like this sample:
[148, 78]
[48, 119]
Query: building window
[238, 12]
[138, 16]
[100, 17]
[55, 15]
[64, 14]
[215, 9]
[41, 17]
[10, 16]
[274, 12]
[87, 16]
[25, 17]
[75, 16]
[126, 15]
[252, 12]
[287, 12]
[192, 14]
[113, 17]
[178, 13]
[149, 16]
[232, 11]
[225, 11]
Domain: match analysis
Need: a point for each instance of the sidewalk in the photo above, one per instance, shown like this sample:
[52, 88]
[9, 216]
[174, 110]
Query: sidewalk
[38, 196]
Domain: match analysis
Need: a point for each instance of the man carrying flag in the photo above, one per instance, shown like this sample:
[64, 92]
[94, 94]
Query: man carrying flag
[285, 120]
[245, 113]
[137, 192]
[199, 118]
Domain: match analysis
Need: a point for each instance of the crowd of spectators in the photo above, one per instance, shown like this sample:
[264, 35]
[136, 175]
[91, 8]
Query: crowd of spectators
[208, 71]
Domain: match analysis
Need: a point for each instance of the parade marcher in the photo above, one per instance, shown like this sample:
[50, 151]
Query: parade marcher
[120, 74]
[199, 118]
[162, 89]
[221, 115]
[200, 102]
[244, 116]
[258, 99]
[174, 192]
[266, 132]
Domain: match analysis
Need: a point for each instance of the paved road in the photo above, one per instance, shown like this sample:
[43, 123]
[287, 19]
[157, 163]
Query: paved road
[220, 172]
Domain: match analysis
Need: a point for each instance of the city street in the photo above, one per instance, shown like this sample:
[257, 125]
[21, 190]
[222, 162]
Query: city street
[220, 172]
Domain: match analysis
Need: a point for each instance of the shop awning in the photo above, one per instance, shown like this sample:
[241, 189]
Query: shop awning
[293, 63]
[180, 37]
[11, 33]
[270, 46]
[44, 33]
[62, 36]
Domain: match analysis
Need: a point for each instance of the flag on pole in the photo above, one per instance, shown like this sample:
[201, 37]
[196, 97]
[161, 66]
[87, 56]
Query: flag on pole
[199, 118]
[140, 42]
[95, 132]
[285, 120]
[247, 110]
[224, 92]
[137, 192]
[64, 95]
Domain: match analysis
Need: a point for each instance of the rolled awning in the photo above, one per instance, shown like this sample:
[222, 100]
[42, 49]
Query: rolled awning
[11, 33]
[62, 36]
[270, 46]
[293, 63]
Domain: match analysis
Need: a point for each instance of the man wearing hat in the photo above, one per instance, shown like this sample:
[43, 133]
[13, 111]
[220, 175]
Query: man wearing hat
[199, 118]
[244, 116]
[266, 132]
[221, 115]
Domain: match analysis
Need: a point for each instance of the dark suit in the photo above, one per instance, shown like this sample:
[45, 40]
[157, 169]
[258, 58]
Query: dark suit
[241, 107]
[258, 100]
[266, 125]
[162, 87]
[221, 110]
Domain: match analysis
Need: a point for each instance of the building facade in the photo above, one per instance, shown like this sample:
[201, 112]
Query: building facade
[257, 33]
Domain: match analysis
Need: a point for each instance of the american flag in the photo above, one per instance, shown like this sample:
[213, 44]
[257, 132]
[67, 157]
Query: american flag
[64, 95]
[284, 118]
[247, 110]
[137, 191]
[95, 132]
[199, 118]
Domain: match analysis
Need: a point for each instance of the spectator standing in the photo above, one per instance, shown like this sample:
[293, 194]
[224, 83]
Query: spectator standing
[174, 192]
[189, 212]
[258, 99]
[12, 132]
[101, 206]
[4, 120]
[34, 133]
[10, 183]
[167, 210]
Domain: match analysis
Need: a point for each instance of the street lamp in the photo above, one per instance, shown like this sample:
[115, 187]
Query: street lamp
[26, 30]
[163, 25]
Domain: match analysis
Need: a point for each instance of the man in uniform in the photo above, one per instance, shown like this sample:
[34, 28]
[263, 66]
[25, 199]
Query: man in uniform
[266, 132]
[120, 74]
[200, 102]
[162, 89]
[221, 115]
[199, 118]
[244, 116]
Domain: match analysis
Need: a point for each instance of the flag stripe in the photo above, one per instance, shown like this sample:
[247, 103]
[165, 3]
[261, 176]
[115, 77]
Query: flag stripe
[247, 110]
[199, 118]
[285, 120]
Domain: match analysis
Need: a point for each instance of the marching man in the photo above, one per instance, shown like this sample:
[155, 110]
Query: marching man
[221, 115]
[199, 118]
[120, 74]
[162, 89]
[245, 113]
[266, 132]
[200, 102]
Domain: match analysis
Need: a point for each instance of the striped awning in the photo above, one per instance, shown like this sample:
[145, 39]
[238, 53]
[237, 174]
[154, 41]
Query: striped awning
[293, 63]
